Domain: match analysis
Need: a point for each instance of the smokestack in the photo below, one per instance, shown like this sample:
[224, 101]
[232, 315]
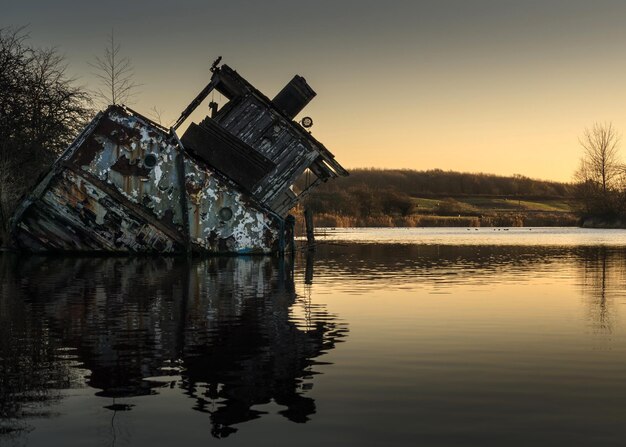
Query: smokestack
[294, 97]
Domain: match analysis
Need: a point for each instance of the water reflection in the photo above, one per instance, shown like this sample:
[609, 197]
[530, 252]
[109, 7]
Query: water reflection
[397, 263]
[518, 346]
[33, 367]
[603, 273]
[599, 271]
[228, 332]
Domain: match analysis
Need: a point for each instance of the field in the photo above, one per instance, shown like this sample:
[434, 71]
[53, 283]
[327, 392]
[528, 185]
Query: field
[478, 205]
[477, 211]
[405, 198]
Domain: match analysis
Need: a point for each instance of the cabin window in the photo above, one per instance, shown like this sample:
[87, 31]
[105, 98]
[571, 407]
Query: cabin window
[304, 183]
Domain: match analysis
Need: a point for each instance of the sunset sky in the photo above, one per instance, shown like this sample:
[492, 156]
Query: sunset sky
[500, 86]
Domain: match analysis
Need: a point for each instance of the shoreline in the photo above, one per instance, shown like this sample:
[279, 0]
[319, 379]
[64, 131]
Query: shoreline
[489, 221]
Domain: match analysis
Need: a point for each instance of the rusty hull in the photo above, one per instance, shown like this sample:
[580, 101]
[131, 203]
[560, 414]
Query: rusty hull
[128, 185]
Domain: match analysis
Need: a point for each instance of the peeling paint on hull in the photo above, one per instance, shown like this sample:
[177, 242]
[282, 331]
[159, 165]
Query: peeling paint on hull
[128, 185]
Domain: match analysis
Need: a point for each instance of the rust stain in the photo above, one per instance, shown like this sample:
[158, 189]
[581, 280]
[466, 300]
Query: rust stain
[124, 166]
[88, 152]
[123, 136]
[193, 188]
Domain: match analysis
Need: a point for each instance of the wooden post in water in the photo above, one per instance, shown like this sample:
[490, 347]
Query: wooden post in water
[310, 237]
[308, 271]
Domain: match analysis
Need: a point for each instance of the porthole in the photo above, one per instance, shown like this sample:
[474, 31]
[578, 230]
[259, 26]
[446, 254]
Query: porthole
[150, 160]
[226, 214]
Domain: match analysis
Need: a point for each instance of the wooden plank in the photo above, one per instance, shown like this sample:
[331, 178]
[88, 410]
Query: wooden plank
[220, 150]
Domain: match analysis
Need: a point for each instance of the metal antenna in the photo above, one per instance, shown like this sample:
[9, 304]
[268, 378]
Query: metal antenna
[216, 62]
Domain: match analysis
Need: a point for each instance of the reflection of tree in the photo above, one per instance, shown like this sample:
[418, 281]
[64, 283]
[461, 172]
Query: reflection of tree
[33, 367]
[405, 261]
[223, 324]
[603, 271]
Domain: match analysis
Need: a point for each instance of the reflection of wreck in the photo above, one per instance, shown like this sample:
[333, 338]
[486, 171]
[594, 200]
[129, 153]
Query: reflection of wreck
[129, 185]
[226, 330]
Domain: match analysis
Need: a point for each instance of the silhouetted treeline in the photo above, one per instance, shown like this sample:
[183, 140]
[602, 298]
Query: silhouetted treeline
[375, 192]
[437, 182]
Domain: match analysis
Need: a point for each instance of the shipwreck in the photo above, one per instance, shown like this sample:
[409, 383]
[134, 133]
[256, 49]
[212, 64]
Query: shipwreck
[226, 186]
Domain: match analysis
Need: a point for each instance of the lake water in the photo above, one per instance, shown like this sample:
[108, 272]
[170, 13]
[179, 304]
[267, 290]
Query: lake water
[434, 337]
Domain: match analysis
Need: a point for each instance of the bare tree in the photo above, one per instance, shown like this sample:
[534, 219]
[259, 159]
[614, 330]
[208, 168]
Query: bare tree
[600, 163]
[41, 111]
[115, 74]
[600, 176]
[157, 115]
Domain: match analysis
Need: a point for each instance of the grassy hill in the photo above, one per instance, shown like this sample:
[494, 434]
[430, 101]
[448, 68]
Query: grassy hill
[473, 205]
[372, 197]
